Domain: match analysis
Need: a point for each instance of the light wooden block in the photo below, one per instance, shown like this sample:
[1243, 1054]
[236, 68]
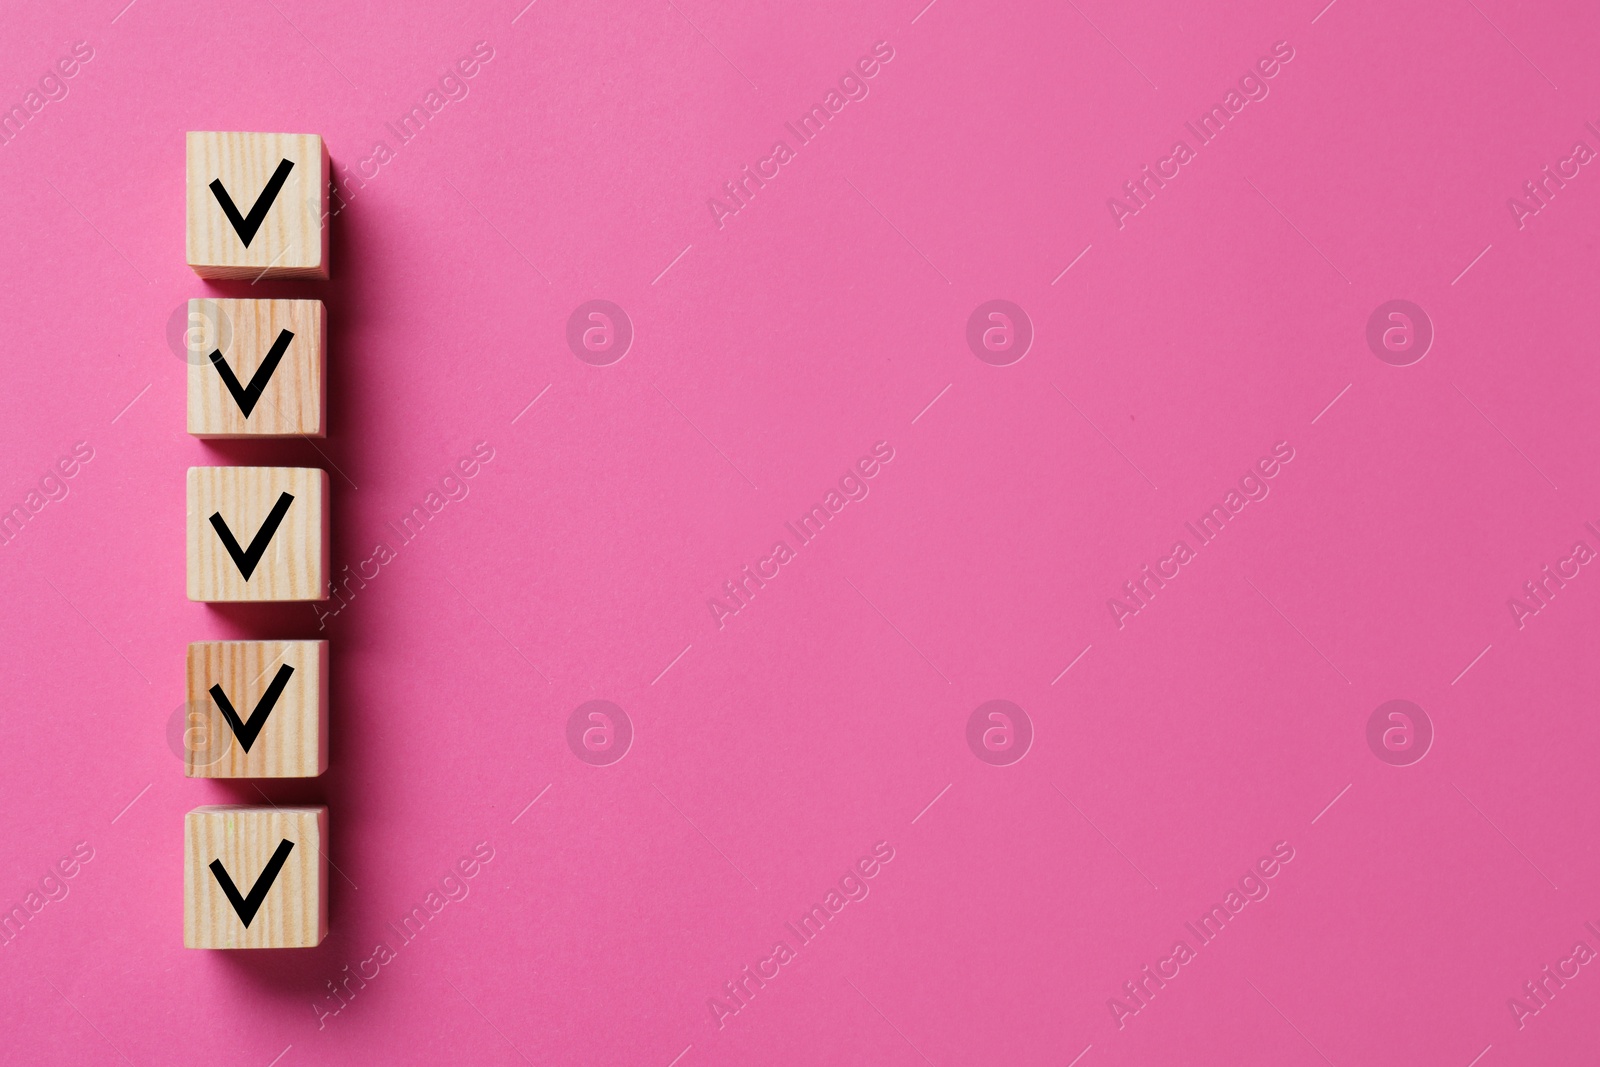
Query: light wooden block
[290, 239]
[232, 393]
[277, 693]
[278, 519]
[291, 912]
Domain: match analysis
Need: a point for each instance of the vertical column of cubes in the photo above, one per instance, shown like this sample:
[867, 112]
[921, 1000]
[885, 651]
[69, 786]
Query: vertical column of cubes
[256, 208]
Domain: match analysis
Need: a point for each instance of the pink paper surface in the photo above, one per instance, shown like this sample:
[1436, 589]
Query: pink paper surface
[1220, 729]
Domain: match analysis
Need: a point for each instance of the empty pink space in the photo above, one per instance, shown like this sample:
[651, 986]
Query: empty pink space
[889, 533]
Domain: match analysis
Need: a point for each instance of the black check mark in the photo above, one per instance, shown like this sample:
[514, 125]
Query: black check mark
[248, 731]
[247, 558]
[247, 225]
[247, 395]
[247, 906]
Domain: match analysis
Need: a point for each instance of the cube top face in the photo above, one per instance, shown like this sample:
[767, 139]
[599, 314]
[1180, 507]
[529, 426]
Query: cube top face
[255, 877]
[256, 368]
[257, 533]
[257, 205]
[256, 709]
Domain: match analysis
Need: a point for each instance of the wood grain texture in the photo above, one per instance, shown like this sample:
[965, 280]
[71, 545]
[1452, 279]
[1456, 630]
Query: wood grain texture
[294, 913]
[295, 563]
[292, 742]
[293, 239]
[294, 400]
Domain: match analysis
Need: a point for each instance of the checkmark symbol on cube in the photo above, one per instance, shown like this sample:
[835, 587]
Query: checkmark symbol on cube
[246, 396]
[247, 906]
[248, 730]
[247, 558]
[247, 225]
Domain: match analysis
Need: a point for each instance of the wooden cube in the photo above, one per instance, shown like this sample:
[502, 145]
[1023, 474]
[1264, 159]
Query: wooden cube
[255, 877]
[257, 533]
[258, 372]
[257, 205]
[257, 709]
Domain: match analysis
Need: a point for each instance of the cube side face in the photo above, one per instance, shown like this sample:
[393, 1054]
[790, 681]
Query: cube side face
[292, 741]
[292, 402]
[322, 702]
[324, 563]
[292, 239]
[290, 912]
[289, 562]
[324, 218]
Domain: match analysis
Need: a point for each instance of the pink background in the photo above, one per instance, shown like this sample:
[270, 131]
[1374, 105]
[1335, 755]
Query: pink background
[826, 716]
